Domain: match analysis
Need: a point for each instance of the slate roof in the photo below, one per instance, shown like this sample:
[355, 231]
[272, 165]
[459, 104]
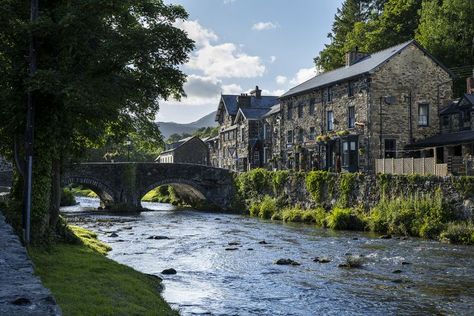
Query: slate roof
[446, 139]
[455, 106]
[173, 146]
[273, 110]
[254, 114]
[230, 102]
[364, 66]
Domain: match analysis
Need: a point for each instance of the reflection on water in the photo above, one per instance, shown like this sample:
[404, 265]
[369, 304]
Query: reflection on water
[439, 278]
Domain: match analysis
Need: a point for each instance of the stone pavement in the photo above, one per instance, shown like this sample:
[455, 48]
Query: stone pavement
[21, 292]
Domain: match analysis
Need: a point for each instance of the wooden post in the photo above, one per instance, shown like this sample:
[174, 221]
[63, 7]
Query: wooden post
[435, 161]
[403, 165]
[423, 166]
[412, 165]
[383, 165]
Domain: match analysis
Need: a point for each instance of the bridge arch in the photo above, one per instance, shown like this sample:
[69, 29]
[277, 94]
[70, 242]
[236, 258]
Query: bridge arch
[104, 192]
[187, 190]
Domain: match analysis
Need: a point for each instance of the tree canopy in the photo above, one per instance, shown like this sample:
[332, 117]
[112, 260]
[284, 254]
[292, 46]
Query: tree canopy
[102, 67]
[444, 27]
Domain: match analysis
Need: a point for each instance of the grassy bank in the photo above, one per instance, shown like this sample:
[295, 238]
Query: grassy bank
[424, 217]
[85, 282]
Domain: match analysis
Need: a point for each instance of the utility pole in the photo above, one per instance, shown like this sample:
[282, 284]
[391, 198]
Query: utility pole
[29, 134]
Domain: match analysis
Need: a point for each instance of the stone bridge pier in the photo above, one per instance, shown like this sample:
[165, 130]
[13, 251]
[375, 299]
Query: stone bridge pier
[121, 186]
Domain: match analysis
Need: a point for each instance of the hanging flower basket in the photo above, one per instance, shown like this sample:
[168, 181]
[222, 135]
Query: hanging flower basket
[342, 133]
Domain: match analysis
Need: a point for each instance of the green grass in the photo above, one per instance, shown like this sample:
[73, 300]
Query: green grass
[85, 282]
[80, 191]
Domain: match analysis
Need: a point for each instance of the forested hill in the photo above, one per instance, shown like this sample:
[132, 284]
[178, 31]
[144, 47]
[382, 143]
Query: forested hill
[169, 128]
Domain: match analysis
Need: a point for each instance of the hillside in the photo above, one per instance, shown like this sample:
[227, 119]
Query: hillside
[169, 128]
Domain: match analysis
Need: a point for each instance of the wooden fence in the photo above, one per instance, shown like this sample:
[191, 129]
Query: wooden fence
[422, 166]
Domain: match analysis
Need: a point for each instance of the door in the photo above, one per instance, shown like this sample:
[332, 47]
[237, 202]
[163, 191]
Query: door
[350, 157]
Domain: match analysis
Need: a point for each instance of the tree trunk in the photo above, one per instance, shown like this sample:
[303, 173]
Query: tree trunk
[55, 193]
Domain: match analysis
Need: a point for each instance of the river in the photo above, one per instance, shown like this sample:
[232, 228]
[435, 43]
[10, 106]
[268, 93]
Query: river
[211, 279]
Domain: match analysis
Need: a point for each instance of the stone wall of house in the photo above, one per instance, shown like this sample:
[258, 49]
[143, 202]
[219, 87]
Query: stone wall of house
[413, 79]
[339, 104]
[193, 151]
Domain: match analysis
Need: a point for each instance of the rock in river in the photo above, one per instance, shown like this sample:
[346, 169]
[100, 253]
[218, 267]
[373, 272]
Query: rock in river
[322, 260]
[231, 249]
[169, 271]
[113, 235]
[386, 237]
[158, 237]
[287, 262]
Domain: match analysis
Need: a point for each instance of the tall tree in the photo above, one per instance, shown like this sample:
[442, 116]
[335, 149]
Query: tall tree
[447, 30]
[396, 24]
[102, 66]
[351, 12]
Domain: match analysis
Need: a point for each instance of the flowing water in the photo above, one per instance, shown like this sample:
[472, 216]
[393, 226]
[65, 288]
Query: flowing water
[212, 279]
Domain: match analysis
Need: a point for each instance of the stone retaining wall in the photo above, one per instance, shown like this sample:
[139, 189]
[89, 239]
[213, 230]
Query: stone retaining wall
[358, 190]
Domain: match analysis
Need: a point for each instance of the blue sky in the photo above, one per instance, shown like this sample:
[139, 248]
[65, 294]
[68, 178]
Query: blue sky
[244, 43]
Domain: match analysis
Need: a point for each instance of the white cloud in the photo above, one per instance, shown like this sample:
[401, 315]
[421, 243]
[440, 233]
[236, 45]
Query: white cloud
[226, 61]
[262, 26]
[197, 32]
[229, 1]
[281, 80]
[202, 87]
[232, 89]
[277, 92]
[272, 59]
[303, 75]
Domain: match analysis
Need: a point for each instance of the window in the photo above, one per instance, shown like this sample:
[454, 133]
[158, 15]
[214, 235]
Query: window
[350, 89]
[300, 110]
[390, 148]
[290, 111]
[330, 120]
[300, 135]
[290, 137]
[329, 94]
[312, 103]
[242, 134]
[351, 117]
[423, 114]
[312, 133]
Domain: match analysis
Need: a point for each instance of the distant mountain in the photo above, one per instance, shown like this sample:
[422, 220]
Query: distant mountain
[168, 128]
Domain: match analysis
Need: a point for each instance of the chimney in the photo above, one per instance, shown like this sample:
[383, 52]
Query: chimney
[470, 84]
[243, 100]
[256, 93]
[354, 56]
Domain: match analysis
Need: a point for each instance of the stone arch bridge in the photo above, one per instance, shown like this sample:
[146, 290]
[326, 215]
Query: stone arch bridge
[121, 186]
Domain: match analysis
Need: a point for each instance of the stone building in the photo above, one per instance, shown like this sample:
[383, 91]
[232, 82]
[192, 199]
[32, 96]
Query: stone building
[188, 150]
[213, 146]
[241, 128]
[454, 146]
[374, 107]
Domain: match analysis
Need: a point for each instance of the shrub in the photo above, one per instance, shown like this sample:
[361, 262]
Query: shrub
[315, 182]
[422, 216]
[279, 179]
[67, 198]
[458, 233]
[346, 186]
[264, 209]
[344, 219]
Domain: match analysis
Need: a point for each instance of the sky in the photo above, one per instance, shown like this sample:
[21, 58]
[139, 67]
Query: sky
[241, 44]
